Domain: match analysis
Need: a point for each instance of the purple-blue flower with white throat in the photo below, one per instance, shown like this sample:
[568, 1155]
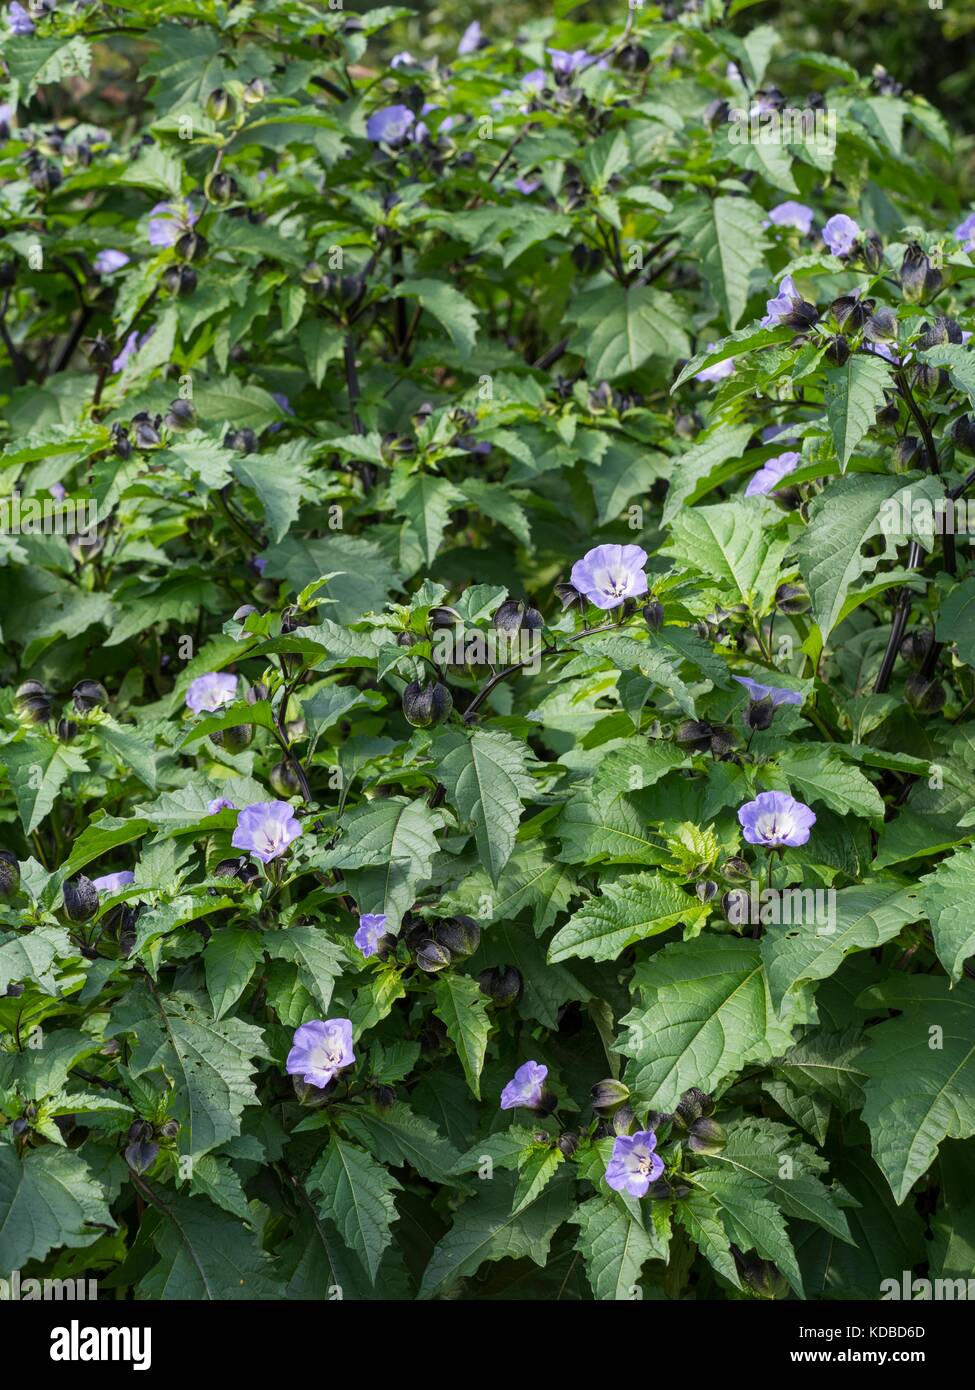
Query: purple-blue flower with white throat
[114, 883]
[778, 694]
[107, 262]
[610, 574]
[840, 233]
[391, 125]
[527, 186]
[403, 60]
[211, 691]
[720, 369]
[168, 222]
[965, 231]
[779, 307]
[266, 829]
[564, 64]
[220, 803]
[58, 491]
[371, 930]
[130, 347]
[471, 38]
[791, 214]
[526, 1089]
[320, 1050]
[771, 473]
[19, 20]
[775, 819]
[634, 1163]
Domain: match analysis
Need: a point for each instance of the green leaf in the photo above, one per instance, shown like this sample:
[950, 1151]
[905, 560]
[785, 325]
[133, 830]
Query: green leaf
[387, 850]
[751, 1221]
[229, 960]
[457, 314]
[486, 781]
[356, 1194]
[210, 1063]
[461, 1006]
[707, 1014]
[614, 1245]
[866, 916]
[727, 236]
[48, 1198]
[820, 775]
[854, 393]
[921, 1081]
[700, 1216]
[206, 1254]
[946, 898]
[486, 1228]
[397, 1136]
[37, 770]
[319, 959]
[631, 909]
[732, 543]
[956, 621]
[621, 328]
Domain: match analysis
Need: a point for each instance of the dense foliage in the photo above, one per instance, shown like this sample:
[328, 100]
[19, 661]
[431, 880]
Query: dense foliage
[386, 863]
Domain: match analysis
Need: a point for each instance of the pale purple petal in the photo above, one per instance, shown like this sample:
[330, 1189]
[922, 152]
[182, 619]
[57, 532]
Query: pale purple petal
[792, 214]
[771, 474]
[840, 233]
[320, 1050]
[634, 1163]
[211, 691]
[778, 694]
[391, 125]
[610, 574]
[371, 930]
[266, 829]
[114, 883]
[106, 262]
[220, 803]
[774, 819]
[526, 1088]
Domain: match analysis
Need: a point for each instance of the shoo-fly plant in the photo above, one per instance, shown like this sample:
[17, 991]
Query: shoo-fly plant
[525, 476]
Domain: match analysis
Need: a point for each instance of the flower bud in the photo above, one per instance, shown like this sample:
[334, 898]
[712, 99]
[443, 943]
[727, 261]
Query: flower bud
[67, 729]
[632, 57]
[190, 246]
[220, 187]
[514, 616]
[924, 695]
[218, 103]
[121, 443]
[460, 935]
[919, 278]
[89, 694]
[235, 739]
[763, 1278]
[607, 1096]
[432, 957]
[426, 705]
[170, 1129]
[888, 414]
[567, 1144]
[736, 870]
[850, 312]
[622, 1121]
[80, 898]
[653, 614]
[692, 1105]
[244, 611]
[284, 779]
[500, 982]
[837, 351]
[906, 453]
[872, 250]
[180, 415]
[9, 876]
[706, 1136]
[760, 713]
[254, 92]
[706, 889]
[179, 279]
[789, 598]
[963, 433]
[244, 441]
[33, 702]
[569, 597]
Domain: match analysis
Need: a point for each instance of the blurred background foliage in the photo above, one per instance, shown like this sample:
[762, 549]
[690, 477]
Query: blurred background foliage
[929, 49]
